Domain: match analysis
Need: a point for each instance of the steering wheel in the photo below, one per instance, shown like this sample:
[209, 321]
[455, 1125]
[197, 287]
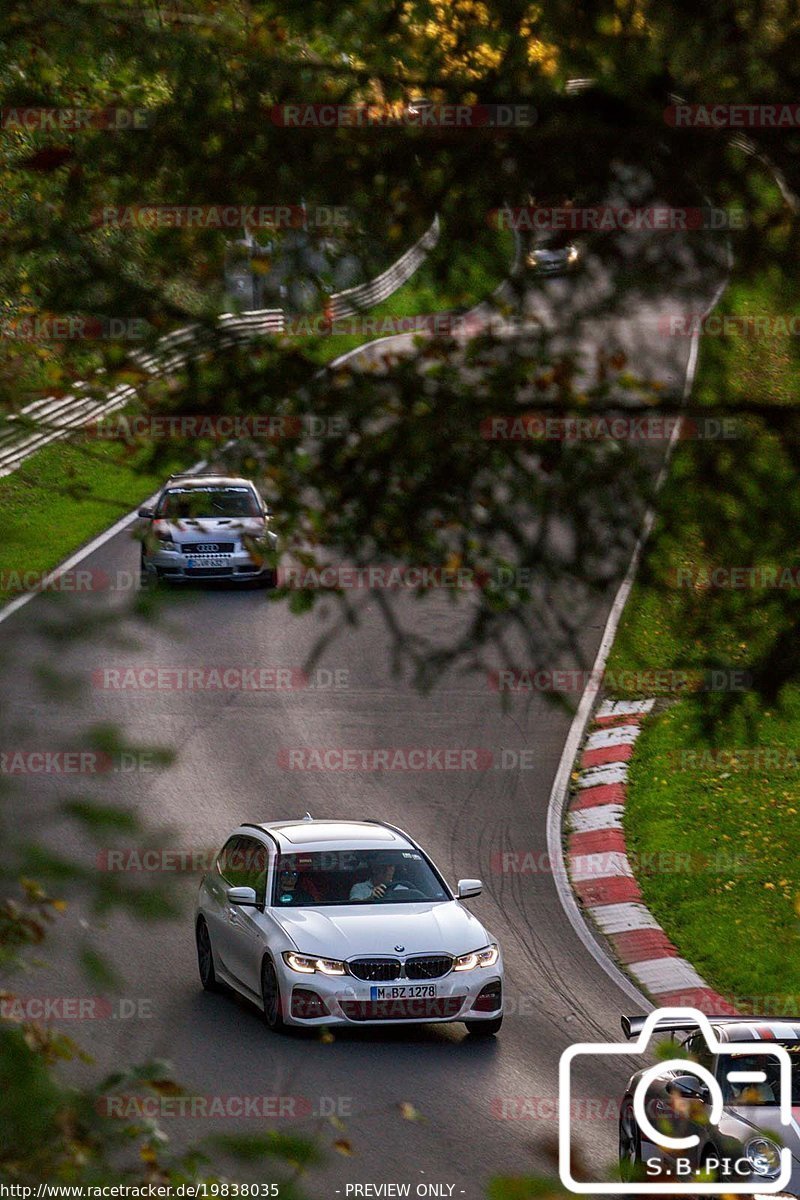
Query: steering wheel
[409, 893]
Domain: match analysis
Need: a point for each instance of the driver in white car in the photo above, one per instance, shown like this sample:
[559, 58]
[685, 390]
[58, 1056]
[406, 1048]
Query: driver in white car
[376, 886]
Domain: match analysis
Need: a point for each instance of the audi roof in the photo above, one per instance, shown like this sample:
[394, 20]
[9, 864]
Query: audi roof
[210, 480]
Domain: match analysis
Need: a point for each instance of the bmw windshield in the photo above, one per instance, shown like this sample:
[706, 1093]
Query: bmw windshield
[362, 877]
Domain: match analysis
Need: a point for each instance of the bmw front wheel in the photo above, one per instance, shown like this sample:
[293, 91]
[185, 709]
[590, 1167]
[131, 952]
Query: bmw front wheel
[205, 957]
[271, 995]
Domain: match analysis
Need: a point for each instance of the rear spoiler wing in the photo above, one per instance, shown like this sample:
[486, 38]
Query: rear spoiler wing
[633, 1026]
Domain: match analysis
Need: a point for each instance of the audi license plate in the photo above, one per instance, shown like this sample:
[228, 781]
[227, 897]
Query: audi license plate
[404, 991]
[209, 560]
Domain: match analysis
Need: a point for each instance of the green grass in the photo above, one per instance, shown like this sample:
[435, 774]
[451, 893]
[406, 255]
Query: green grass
[62, 497]
[718, 774]
[712, 824]
[65, 494]
[434, 288]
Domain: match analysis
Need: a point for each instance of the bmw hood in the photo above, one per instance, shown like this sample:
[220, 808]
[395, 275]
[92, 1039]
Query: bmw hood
[349, 930]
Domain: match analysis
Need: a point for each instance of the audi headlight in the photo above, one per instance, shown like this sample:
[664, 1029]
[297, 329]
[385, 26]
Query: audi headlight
[478, 958]
[764, 1156]
[307, 964]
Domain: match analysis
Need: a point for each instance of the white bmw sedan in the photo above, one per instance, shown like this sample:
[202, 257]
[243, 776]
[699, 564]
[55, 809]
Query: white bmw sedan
[344, 923]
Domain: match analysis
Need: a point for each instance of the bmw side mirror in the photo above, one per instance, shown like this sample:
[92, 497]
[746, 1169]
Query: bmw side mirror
[243, 896]
[147, 513]
[468, 887]
[689, 1087]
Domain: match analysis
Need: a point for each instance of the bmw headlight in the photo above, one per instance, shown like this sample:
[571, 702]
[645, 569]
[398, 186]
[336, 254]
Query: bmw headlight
[308, 964]
[478, 958]
[764, 1156]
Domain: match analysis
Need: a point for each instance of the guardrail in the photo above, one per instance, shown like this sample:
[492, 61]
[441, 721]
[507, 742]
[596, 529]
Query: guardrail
[51, 418]
[365, 295]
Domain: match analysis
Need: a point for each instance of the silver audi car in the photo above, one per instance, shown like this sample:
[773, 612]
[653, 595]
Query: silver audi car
[208, 527]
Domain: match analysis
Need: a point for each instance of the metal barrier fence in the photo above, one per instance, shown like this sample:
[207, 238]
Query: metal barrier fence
[51, 418]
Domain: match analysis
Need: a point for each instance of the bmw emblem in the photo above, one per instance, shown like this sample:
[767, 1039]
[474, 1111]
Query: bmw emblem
[399, 949]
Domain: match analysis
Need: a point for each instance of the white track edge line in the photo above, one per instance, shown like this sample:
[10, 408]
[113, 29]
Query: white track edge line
[84, 552]
[559, 793]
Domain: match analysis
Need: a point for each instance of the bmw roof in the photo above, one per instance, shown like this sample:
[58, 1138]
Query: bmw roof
[333, 835]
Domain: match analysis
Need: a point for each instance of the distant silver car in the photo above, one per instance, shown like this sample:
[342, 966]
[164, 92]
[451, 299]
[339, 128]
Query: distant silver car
[208, 527]
[552, 255]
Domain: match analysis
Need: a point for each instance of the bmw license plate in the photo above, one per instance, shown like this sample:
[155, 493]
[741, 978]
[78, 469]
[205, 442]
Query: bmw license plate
[209, 560]
[403, 991]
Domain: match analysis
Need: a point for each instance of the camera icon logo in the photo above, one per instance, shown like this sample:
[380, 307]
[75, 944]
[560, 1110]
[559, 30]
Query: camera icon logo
[746, 1178]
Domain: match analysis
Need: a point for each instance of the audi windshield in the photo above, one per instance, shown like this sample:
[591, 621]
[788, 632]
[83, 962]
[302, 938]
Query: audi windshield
[198, 502]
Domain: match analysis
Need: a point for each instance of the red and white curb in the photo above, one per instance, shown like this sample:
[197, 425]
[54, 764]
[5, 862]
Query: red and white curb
[601, 874]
